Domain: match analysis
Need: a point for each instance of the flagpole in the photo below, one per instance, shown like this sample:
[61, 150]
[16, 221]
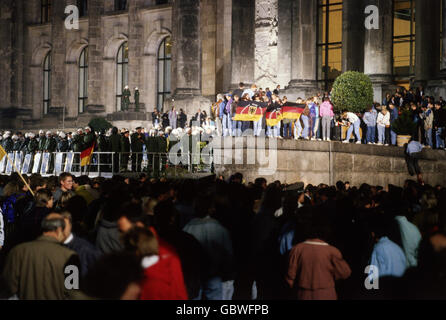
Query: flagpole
[15, 168]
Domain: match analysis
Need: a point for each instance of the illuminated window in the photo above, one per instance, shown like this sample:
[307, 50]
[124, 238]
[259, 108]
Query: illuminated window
[45, 11]
[329, 42]
[47, 83]
[122, 72]
[83, 80]
[404, 38]
[164, 67]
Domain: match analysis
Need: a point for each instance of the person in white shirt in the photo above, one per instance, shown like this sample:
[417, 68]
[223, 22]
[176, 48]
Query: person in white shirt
[355, 123]
[382, 123]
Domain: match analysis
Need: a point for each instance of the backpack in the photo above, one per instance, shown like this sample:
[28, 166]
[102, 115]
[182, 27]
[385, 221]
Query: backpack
[8, 208]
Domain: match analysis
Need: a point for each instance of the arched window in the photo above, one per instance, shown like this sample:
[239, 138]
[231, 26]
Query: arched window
[329, 41]
[47, 83]
[164, 67]
[83, 80]
[122, 76]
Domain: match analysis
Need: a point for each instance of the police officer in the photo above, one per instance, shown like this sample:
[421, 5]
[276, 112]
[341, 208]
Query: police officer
[17, 143]
[138, 142]
[33, 144]
[89, 138]
[42, 141]
[8, 144]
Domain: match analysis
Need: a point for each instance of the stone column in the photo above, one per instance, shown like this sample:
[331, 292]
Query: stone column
[208, 31]
[378, 49]
[243, 15]
[136, 49]
[186, 53]
[303, 47]
[266, 39]
[427, 40]
[443, 58]
[353, 35]
[186, 58]
[95, 55]
[284, 42]
[223, 53]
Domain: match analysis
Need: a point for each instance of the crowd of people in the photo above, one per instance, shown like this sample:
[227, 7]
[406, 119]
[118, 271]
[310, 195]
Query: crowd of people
[220, 239]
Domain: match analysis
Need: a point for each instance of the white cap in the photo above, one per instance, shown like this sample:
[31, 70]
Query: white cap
[7, 134]
[15, 137]
[79, 130]
[41, 132]
[87, 128]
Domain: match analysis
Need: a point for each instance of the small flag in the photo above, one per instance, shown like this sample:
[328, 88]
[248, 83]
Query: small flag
[292, 111]
[86, 156]
[2, 153]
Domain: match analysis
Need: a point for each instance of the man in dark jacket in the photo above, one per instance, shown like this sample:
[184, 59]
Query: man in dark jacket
[33, 144]
[125, 149]
[182, 119]
[115, 147]
[42, 141]
[62, 145]
[88, 253]
[7, 143]
[439, 125]
[138, 141]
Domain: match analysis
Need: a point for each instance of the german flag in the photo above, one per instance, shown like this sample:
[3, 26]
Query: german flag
[2, 153]
[86, 155]
[273, 117]
[292, 111]
[250, 111]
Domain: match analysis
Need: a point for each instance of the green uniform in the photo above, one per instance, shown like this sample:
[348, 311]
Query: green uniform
[50, 145]
[33, 146]
[88, 140]
[42, 142]
[78, 143]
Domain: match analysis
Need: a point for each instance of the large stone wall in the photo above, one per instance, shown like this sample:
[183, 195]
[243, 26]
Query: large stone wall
[322, 162]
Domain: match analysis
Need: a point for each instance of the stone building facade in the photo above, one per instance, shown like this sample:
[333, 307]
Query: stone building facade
[184, 52]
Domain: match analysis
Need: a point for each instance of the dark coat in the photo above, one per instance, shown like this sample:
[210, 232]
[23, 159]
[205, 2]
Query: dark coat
[115, 143]
[108, 237]
[88, 253]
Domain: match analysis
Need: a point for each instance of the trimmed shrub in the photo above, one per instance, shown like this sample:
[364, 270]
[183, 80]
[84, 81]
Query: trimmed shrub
[99, 124]
[404, 125]
[352, 91]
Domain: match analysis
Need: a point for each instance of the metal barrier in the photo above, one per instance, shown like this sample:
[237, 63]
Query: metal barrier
[105, 164]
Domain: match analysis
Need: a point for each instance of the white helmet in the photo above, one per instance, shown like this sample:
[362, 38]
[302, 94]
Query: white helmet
[74, 134]
[62, 135]
[41, 132]
[15, 137]
[7, 135]
[87, 128]
[26, 135]
[48, 133]
[79, 130]
[31, 135]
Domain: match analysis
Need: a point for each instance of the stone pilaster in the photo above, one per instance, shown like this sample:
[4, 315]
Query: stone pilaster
[223, 61]
[58, 54]
[186, 53]
[427, 40]
[208, 31]
[136, 47]
[243, 15]
[378, 49]
[95, 55]
[353, 35]
[284, 42]
[6, 52]
[266, 39]
[303, 47]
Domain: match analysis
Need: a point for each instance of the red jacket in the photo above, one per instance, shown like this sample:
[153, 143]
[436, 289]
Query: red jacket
[164, 279]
